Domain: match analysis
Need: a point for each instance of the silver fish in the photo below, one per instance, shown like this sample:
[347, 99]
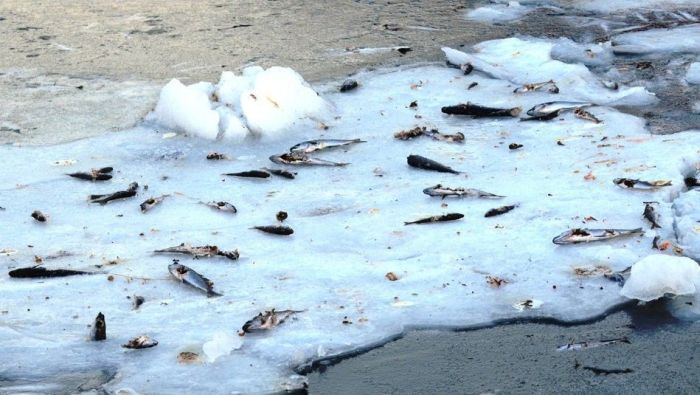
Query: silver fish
[199, 252]
[222, 206]
[268, 320]
[192, 278]
[578, 235]
[300, 159]
[583, 114]
[451, 138]
[151, 202]
[630, 183]
[142, 341]
[550, 85]
[586, 345]
[321, 144]
[550, 107]
[443, 192]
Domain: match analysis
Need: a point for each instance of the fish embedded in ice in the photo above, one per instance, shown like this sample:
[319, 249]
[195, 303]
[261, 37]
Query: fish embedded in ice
[139, 342]
[268, 320]
[102, 174]
[437, 218]
[275, 229]
[39, 216]
[478, 111]
[104, 199]
[222, 206]
[651, 215]
[630, 183]
[301, 159]
[348, 85]
[579, 235]
[250, 174]
[545, 117]
[199, 252]
[586, 345]
[149, 203]
[99, 332]
[421, 162]
[549, 85]
[514, 146]
[281, 216]
[550, 107]
[216, 156]
[192, 278]
[42, 272]
[310, 146]
[499, 210]
[443, 192]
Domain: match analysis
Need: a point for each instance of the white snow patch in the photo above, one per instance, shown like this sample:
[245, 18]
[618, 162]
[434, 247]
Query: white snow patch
[675, 40]
[606, 6]
[693, 74]
[187, 109]
[658, 275]
[499, 12]
[221, 344]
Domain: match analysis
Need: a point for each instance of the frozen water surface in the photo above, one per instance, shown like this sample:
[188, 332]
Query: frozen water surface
[349, 232]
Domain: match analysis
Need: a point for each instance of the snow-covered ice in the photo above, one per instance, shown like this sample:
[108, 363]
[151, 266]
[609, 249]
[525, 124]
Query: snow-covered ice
[658, 275]
[693, 74]
[348, 224]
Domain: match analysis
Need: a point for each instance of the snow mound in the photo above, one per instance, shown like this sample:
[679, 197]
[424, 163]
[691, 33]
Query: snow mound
[187, 109]
[498, 12]
[658, 275]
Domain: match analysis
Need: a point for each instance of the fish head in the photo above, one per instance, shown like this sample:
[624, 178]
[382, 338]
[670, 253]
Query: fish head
[178, 271]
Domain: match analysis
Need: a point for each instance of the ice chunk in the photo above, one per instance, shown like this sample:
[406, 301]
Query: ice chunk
[657, 275]
[221, 344]
[607, 6]
[230, 88]
[230, 125]
[693, 74]
[186, 108]
[498, 12]
[568, 51]
[675, 40]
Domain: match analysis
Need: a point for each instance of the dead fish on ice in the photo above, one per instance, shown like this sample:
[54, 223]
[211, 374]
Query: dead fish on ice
[217, 156]
[140, 342]
[586, 345]
[250, 174]
[104, 199]
[450, 138]
[466, 68]
[651, 215]
[443, 192]
[94, 174]
[282, 173]
[583, 114]
[300, 159]
[348, 85]
[437, 218]
[549, 85]
[222, 206]
[579, 235]
[99, 332]
[545, 117]
[630, 183]
[421, 162]
[42, 272]
[39, 216]
[192, 278]
[478, 111]
[199, 252]
[322, 144]
[550, 107]
[149, 203]
[499, 210]
[275, 229]
[267, 320]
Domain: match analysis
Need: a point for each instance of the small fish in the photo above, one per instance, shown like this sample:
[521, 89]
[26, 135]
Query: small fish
[443, 192]
[641, 185]
[104, 199]
[222, 206]
[477, 111]
[281, 173]
[348, 85]
[192, 278]
[549, 107]
[550, 85]
[651, 215]
[300, 159]
[424, 163]
[281, 216]
[691, 182]
[139, 342]
[545, 117]
[578, 235]
[587, 345]
[499, 210]
[583, 114]
[466, 68]
[217, 156]
[199, 252]
[138, 301]
[514, 146]
[268, 320]
[473, 84]
[39, 216]
[42, 272]
[451, 138]
[99, 332]
[94, 174]
[612, 85]
[437, 218]
[413, 104]
[275, 229]
[409, 134]
[149, 203]
[310, 146]
[250, 174]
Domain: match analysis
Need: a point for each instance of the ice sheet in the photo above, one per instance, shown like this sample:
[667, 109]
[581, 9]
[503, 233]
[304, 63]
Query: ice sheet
[349, 234]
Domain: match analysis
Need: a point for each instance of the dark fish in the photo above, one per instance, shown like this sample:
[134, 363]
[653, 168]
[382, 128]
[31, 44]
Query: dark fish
[413, 104]
[42, 272]
[514, 146]
[594, 344]
[437, 218]
[199, 252]
[99, 332]
[348, 85]
[250, 174]
[267, 320]
[39, 216]
[192, 278]
[575, 236]
[281, 173]
[605, 372]
[404, 50]
[443, 192]
[222, 206]
[151, 202]
[216, 156]
[499, 210]
[424, 163]
[301, 159]
[94, 174]
[473, 84]
[583, 114]
[139, 342]
[545, 117]
[651, 215]
[281, 216]
[138, 301]
[641, 185]
[104, 199]
[691, 182]
[276, 229]
[477, 111]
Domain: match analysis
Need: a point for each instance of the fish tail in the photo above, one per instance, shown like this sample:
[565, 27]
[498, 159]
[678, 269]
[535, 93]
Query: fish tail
[654, 225]
[358, 141]
[211, 294]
